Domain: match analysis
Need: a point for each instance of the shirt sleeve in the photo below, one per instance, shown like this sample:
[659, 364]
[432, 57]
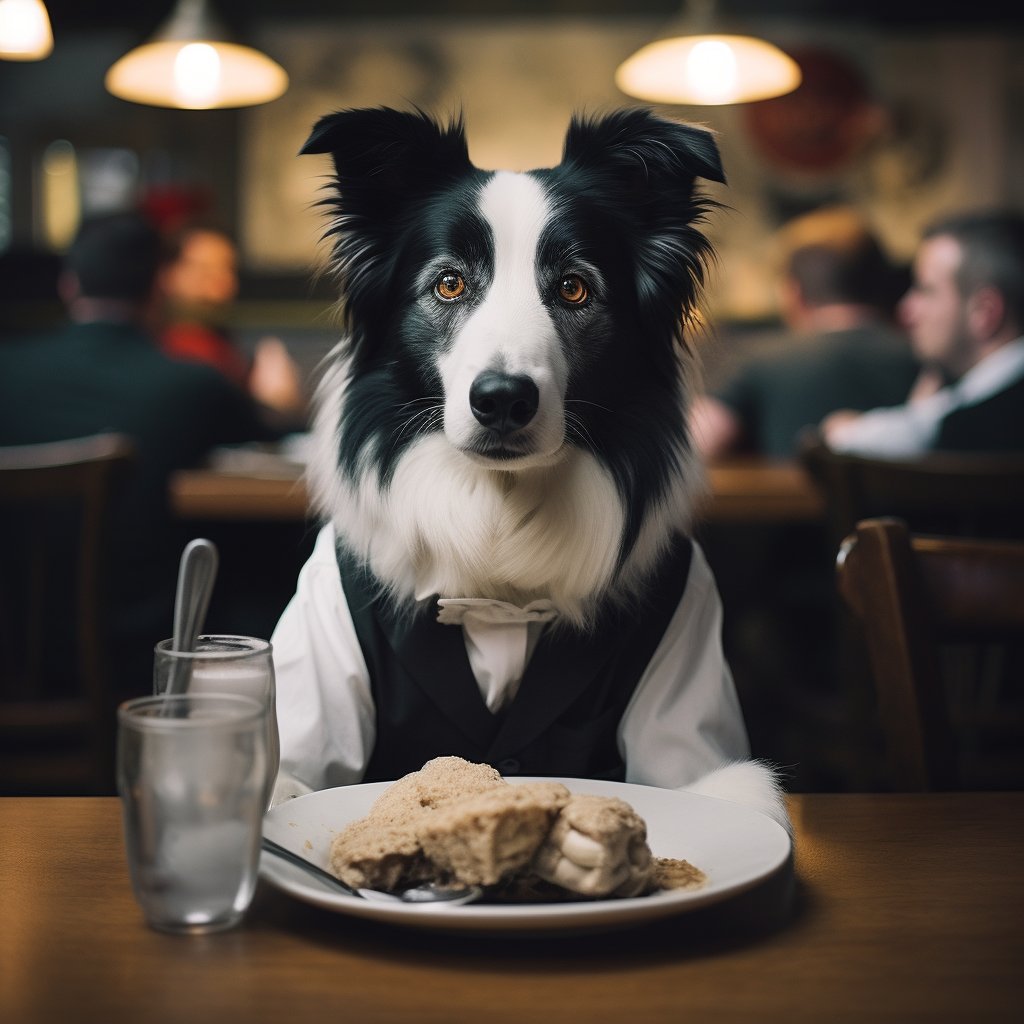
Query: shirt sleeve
[684, 719]
[325, 710]
[897, 432]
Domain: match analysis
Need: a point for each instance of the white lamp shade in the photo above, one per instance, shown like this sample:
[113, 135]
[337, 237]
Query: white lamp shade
[708, 70]
[192, 63]
[25, 32]
[197, 75]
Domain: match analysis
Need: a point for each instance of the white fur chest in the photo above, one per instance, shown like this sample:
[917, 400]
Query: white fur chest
[450, 527]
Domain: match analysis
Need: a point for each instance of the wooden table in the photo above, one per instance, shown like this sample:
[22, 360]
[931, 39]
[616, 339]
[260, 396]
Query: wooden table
[904, 908]
[740, 491]
[761, 491]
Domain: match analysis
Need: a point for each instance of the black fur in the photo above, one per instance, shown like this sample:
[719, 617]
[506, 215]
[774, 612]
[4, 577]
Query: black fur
[625, 200]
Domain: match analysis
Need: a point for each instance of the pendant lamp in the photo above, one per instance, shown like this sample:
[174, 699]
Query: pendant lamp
[192, 63]
[25, 32]
[707, 68]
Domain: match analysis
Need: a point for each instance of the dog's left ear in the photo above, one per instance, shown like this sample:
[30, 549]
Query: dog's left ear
[643, 150]
[647, 167]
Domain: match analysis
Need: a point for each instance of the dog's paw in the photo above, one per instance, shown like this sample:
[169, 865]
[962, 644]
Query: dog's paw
[751, 783]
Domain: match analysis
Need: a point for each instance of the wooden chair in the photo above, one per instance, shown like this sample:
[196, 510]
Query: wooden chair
[56, 708]
[961, 494]
[913, 594]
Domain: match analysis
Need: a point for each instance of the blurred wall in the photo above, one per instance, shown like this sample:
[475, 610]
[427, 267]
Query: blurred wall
[937, 124]
[932, 119]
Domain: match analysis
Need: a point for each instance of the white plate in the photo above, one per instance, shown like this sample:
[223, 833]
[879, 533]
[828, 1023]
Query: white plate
[736, 847]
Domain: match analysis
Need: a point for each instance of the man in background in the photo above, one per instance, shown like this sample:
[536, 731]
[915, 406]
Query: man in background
[103, 372]
[965, 315]
[840, 350]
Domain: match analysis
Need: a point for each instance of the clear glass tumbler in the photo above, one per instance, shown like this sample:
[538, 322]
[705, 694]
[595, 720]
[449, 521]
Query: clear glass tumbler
[191, 774]
[224, 663]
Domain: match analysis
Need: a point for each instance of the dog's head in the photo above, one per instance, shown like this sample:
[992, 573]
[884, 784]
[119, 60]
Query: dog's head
[510, 296]
[507, 417]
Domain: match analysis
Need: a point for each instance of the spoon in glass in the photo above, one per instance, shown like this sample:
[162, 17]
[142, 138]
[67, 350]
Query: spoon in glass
[422, 895]
[196, 575]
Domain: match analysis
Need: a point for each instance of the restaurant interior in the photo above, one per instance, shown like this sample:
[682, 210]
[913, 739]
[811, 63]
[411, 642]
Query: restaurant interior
[873, 610]
[904, 112]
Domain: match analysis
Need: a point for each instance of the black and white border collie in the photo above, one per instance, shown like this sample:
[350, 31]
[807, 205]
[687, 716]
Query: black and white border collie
[507, 416]
[505, 421]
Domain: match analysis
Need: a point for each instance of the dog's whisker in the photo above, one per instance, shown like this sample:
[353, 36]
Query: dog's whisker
[433, 401]
[583, 401]
[576, 429]
[420, 422]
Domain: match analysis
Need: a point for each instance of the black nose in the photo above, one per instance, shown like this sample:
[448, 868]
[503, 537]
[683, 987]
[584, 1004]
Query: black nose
[503, 402]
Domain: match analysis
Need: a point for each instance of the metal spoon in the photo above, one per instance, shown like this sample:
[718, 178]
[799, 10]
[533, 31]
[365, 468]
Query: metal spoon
[196, 574]
[423, 895]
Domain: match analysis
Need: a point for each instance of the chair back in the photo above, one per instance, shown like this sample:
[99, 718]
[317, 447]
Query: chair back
[56, 700]
[913, 595]
[962, 494]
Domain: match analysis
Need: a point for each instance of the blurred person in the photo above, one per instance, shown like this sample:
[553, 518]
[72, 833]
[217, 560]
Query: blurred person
[965, 315]
[839, 349]
[198, 279]
[104, 372]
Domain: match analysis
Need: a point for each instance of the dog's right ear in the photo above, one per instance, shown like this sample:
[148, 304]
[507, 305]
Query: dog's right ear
[386, 162]
[383, 150]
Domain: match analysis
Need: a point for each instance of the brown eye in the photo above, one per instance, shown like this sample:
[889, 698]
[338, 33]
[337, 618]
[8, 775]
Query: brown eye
[573, 290]
[449, 287]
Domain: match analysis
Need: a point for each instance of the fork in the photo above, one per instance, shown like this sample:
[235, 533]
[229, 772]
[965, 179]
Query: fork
[419, 895]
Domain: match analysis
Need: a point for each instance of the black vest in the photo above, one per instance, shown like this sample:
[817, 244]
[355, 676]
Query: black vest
[993, 425]
[563, 720]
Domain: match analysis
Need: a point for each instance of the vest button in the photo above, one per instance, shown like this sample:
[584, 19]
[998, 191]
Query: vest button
[509, 766]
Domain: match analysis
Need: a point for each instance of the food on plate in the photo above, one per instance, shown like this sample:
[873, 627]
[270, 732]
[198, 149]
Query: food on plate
[378, 855]
[459, 823]
[438, 782]
[677, 874]
[487, 837]
[597, 847]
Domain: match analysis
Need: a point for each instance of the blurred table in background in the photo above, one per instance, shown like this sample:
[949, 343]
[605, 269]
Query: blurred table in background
[214, 494]
[269, 490]
[759, 491]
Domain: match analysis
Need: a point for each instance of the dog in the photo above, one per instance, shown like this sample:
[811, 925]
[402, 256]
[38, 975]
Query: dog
[500, 445]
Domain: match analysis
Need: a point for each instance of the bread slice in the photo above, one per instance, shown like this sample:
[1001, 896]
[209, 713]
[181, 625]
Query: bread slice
[438, 782]
[378, 855]
[489, 836]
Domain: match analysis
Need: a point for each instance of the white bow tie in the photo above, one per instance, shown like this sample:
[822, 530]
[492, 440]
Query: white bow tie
[453, 611]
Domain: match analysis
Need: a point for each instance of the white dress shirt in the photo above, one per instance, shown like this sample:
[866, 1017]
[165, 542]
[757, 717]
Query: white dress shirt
[683, 720]
[912, 429]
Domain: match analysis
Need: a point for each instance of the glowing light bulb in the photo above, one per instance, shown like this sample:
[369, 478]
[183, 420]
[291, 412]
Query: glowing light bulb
[708, 70]
[25, 32]
[197, 75]
[712, 70]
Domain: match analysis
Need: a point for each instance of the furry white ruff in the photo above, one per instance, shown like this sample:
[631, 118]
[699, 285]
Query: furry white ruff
[451, 527]
[750, 783]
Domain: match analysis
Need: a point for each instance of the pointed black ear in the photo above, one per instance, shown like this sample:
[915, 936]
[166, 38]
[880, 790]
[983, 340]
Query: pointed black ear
[641, 147]
[386, 162]
[645, 167]
[383, 147]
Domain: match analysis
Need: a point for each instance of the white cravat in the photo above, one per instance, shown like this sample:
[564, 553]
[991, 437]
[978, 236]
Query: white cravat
[500, 638]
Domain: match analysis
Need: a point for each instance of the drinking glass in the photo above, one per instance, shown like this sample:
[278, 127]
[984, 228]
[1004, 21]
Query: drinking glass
[224, 663]
[191, 774]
